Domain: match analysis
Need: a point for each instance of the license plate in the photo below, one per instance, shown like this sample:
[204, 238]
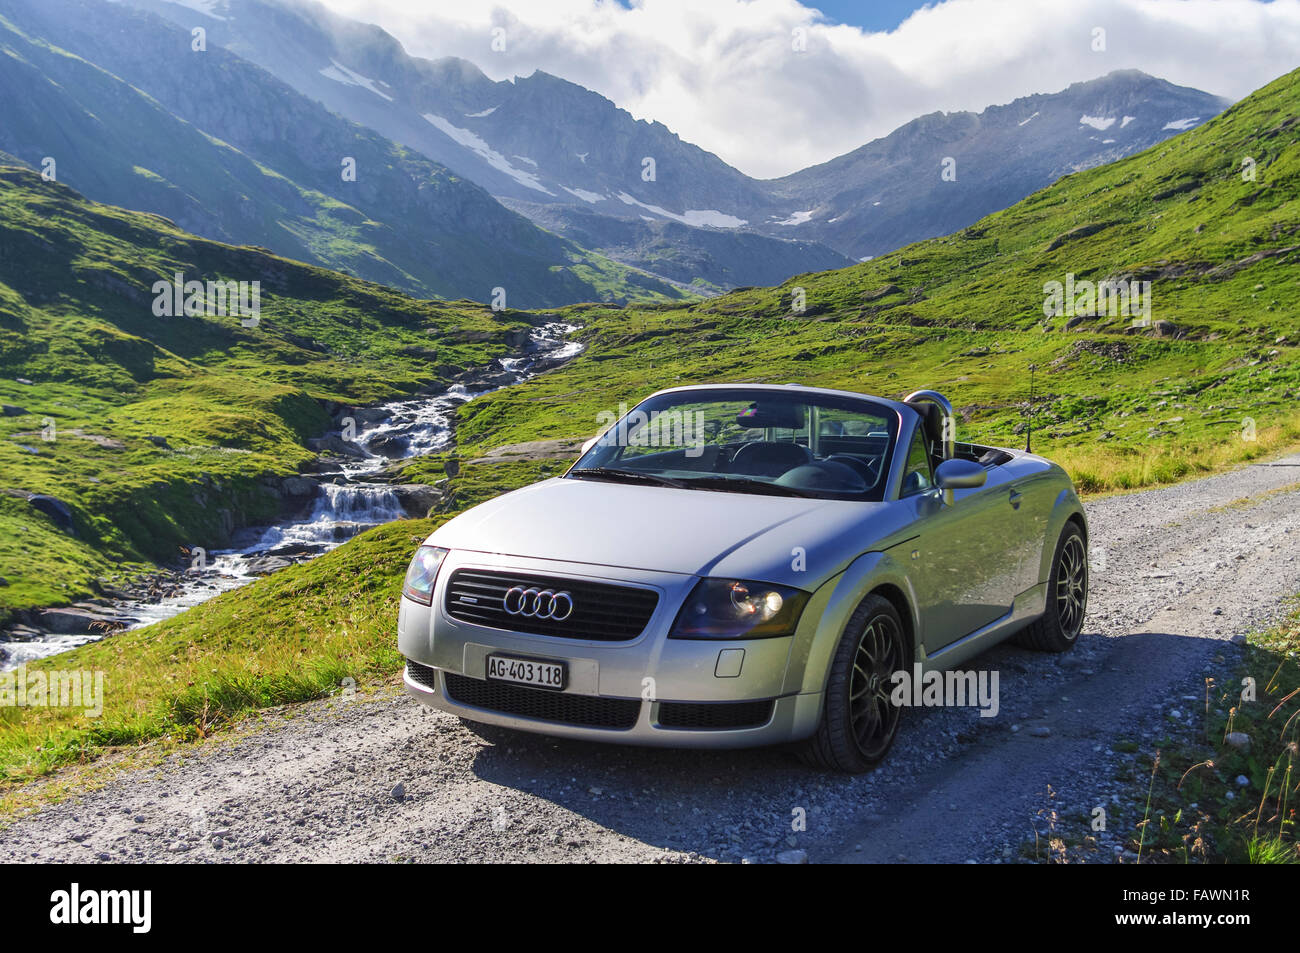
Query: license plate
[526, 671]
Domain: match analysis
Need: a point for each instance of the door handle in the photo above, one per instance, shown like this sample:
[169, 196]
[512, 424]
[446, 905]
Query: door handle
[1014, 500]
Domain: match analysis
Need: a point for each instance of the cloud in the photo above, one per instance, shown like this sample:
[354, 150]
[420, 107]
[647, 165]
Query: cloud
[726, 74]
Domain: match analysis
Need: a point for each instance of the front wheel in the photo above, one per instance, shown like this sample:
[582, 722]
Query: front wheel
[1058, 628]
[859, 721]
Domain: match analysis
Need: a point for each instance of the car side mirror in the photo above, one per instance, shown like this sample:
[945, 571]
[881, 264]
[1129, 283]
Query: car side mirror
[958, 474]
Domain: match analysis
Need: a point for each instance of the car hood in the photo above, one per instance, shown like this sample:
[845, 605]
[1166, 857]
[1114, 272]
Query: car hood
[776, 539]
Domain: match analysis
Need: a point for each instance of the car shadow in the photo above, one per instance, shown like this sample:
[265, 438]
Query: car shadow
[725, 804]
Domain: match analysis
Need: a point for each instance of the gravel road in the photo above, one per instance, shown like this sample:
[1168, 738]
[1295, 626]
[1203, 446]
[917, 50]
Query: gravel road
[1180, 573]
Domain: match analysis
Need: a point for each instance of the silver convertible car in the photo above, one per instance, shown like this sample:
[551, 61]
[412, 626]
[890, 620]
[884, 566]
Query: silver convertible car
[736, 565]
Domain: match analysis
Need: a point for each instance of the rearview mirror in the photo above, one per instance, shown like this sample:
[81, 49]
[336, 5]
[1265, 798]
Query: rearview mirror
[959, 474]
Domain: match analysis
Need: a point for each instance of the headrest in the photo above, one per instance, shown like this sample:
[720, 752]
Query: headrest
[780, 414]
[931, 419]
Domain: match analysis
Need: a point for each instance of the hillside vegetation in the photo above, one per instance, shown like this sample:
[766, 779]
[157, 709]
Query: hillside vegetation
[155, 430]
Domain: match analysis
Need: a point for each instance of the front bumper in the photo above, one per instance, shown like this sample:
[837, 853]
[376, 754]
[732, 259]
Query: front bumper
[650, 690]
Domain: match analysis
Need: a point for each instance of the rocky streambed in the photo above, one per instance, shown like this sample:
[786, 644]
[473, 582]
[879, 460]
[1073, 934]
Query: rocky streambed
[352, 485]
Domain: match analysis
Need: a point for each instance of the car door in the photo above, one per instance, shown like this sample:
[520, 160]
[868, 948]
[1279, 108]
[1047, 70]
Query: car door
[959, 558]
[1031, 492]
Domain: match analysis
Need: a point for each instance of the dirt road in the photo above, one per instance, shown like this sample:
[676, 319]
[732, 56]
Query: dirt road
[1179, 573]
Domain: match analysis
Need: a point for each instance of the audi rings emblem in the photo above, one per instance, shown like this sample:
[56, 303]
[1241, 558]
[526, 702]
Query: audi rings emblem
[538, 604]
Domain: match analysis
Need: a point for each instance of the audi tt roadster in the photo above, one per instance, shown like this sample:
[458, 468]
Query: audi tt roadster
[739, 565]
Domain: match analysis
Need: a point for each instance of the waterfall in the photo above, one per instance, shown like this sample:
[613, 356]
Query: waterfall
[340, 510]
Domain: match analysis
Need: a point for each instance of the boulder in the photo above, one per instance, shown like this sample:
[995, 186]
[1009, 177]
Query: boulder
[417, 498]
[392, 446]
[362, 415]
[299, 486]
[72, 620]
[517, 338]
[265, 565]
[9, 410]
[335, 445]
[55, 509]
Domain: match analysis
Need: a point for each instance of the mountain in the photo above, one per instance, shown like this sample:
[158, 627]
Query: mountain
[232, 153]
[892, 192]
[562, 154]
[536, 143]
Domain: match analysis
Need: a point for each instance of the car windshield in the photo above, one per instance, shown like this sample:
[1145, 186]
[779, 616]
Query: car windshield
[747, 440]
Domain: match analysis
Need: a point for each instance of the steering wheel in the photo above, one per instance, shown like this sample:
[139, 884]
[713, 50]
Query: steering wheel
[864, 469]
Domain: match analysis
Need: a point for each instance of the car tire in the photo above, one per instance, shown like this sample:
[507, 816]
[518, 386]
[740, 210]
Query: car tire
[1058, 628]
[856, 731]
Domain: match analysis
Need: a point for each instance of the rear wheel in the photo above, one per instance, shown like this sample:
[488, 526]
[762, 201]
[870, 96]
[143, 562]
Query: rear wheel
[1058, 628]
[859, 722]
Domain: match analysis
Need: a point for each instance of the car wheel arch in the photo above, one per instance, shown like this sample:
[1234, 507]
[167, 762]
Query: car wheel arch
[874, 573]
[896, 597]
[1066, 509]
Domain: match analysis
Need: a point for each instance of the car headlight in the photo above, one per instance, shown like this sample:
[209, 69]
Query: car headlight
[422, 574]
[736, 609]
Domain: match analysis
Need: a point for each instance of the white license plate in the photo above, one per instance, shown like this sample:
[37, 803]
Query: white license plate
[526, 671]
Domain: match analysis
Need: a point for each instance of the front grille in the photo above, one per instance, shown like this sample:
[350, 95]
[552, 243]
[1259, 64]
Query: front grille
[422, 674]
[601, 612]
[587, 711]
[714, 716]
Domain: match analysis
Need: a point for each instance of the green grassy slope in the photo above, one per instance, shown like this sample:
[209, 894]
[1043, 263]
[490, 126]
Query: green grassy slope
[232, 403]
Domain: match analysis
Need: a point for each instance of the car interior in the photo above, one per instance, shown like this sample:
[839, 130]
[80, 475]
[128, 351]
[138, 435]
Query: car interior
[804, 447]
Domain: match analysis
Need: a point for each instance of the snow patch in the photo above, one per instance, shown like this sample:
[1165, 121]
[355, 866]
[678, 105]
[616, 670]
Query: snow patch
[712, 218]
[341, 74]
[202, 6]
[532, 162]
[592, 197]
[1100, 123]
[1181, 124]
[486, 112]
[1026, 122]
[495, 159]
[692, 216]
[1126, 121]
[798, 218]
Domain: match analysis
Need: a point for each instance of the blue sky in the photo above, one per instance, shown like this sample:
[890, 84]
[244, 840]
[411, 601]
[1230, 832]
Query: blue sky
[873, 15]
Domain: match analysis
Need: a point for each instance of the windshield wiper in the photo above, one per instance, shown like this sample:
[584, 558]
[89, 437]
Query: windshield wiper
[611, 473]
[741, 485]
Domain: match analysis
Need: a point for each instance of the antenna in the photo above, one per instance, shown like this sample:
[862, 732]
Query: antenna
[1029, 423]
